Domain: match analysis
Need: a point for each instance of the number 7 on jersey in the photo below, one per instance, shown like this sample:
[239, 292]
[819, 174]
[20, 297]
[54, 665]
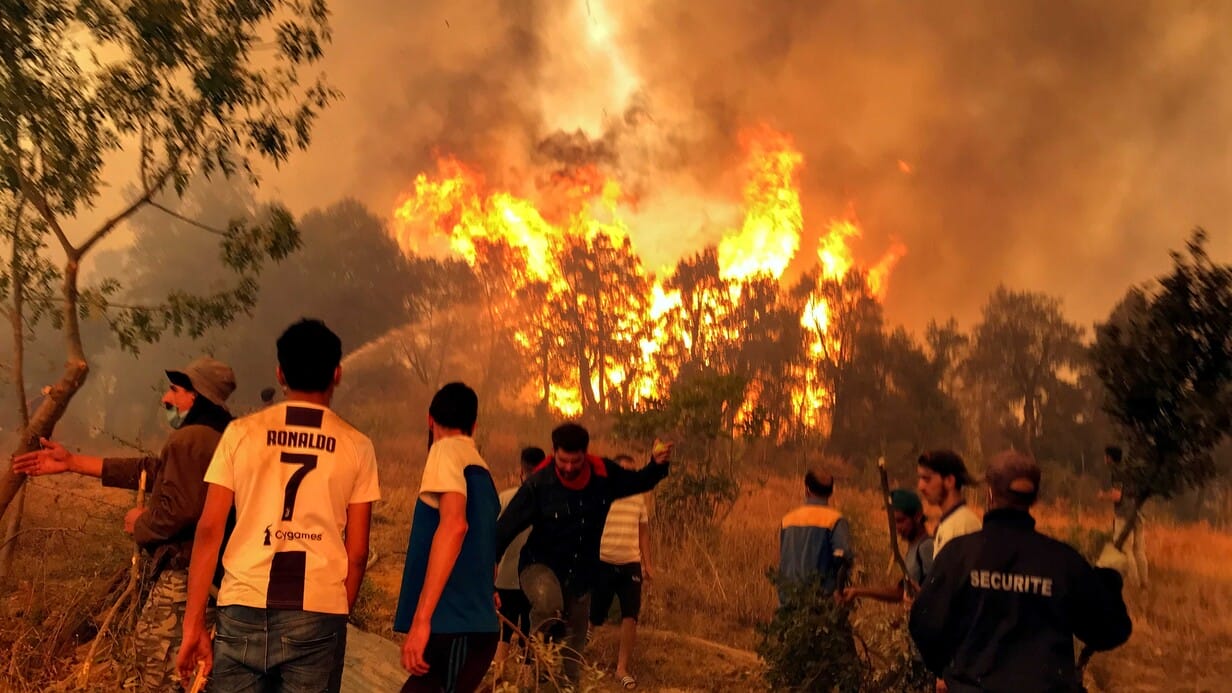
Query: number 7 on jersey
[307, 464]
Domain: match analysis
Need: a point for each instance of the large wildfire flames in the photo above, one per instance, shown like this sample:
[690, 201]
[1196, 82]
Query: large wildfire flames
[565, 250]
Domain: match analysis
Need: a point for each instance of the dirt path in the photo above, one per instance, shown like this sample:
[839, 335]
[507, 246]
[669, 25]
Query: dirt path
[667, 661]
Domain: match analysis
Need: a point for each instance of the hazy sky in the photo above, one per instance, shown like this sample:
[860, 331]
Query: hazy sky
[1060, 149]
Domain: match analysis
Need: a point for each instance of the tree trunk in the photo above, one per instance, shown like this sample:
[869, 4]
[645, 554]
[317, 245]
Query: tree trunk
[17, 319]
[1029, 424]
[12, 527]
[44, 419]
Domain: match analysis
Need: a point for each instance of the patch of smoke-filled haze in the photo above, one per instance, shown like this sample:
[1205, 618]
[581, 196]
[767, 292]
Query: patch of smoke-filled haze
[1057, 148]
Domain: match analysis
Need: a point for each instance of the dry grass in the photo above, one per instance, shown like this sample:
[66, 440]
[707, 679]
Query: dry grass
[709, 584]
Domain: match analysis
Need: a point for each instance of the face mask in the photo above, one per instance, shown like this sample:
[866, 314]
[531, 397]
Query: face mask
[175, 418]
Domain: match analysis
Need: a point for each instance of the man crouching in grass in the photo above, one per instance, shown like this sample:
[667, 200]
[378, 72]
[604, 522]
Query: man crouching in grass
[446, 607]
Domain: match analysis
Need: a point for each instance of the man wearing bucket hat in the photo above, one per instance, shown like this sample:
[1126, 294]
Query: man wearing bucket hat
[1003, 605]
[194, 405]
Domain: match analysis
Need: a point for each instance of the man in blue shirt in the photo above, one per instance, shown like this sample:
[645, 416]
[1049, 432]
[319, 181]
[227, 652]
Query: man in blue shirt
[909, 524]
[814, 541]
[446, 606]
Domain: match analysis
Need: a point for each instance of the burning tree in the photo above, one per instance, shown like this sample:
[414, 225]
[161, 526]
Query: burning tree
[600, 335]
[186, 87]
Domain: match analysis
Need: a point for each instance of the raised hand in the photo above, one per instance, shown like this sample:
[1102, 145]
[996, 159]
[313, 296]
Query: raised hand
[53, 458]
[661, 451]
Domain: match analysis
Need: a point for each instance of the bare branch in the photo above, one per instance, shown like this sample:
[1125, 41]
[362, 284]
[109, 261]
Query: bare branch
[145, 198]
[31, 192]
[171, 212]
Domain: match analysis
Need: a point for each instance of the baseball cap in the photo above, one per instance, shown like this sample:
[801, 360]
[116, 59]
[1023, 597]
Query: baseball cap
[208, 377]
[947, 463]
[905, 501]
[1015, 476]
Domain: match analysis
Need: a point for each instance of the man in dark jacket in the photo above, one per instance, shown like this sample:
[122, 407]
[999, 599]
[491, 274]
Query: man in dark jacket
[565, 503]
[195, 407]
[1001, 607]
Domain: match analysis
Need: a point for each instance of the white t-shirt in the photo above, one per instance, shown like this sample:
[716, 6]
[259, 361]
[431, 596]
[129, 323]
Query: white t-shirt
[294, 468]
[961, 520]
[445, 470]
[620, 545]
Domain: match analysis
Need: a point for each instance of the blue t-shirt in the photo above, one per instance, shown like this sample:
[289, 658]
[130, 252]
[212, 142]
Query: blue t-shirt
[466, 604]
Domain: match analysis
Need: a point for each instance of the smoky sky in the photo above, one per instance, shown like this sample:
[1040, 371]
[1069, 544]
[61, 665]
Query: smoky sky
[1057, 147]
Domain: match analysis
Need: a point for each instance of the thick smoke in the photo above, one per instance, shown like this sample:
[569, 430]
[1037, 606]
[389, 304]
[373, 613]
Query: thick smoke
[1061, 148]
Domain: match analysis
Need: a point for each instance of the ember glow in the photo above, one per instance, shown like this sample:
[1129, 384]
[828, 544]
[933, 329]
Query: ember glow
[562, 256]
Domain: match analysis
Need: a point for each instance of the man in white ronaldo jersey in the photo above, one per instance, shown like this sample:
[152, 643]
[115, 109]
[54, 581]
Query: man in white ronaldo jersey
[302, 482]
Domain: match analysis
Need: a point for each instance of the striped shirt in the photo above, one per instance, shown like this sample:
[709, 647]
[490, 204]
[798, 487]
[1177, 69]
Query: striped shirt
[620, 545]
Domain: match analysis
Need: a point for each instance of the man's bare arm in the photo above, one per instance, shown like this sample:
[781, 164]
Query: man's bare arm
[195, 647]
[446, 545]
[358, 525]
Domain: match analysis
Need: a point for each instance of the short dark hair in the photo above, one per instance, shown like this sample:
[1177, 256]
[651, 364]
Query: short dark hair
[1113, 453]
[455, 406]
[309, 354]
[819, 484]
[570, 437]
[947, 463]
[1014, 479]
[532, 457]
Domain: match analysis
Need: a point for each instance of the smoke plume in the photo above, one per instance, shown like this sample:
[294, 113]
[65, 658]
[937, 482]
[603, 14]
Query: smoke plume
[1059, 148]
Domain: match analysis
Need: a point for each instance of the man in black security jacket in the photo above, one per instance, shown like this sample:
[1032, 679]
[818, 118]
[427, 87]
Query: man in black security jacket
[565, 503]
[1002, 606]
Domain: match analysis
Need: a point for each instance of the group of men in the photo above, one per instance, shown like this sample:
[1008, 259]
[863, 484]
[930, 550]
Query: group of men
[462, 529]
[995, 605]
[267, 517]
[259, 526]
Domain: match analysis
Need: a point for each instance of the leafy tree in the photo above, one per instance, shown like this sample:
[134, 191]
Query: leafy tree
[189, 87]
[1020, 353]
[1164, 357]
[347, 259]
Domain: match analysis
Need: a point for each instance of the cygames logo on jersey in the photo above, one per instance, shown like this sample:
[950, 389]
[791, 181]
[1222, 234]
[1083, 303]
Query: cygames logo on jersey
[267, 535]
[292, 535]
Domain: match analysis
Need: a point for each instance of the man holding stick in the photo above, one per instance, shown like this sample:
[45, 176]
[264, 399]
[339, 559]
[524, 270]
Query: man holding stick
[196, 410]
[909, 524]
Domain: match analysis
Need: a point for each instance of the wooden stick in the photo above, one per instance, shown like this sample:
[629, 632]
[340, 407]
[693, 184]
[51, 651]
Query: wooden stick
[909, 584]
[134, 577]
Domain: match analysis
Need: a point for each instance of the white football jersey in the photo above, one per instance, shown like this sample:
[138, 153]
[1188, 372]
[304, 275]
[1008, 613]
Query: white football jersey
[294, 468]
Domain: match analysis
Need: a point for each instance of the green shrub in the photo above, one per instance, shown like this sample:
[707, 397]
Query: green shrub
[810, 644]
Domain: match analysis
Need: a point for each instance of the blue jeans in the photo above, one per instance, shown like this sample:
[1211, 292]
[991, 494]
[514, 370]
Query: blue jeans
[271, 650]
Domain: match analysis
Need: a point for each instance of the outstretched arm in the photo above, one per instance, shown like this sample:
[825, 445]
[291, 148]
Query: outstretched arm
[622, 482]
[54, 458]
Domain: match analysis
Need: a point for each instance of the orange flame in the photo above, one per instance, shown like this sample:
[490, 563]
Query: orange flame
[585, 204]
[770, 235]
